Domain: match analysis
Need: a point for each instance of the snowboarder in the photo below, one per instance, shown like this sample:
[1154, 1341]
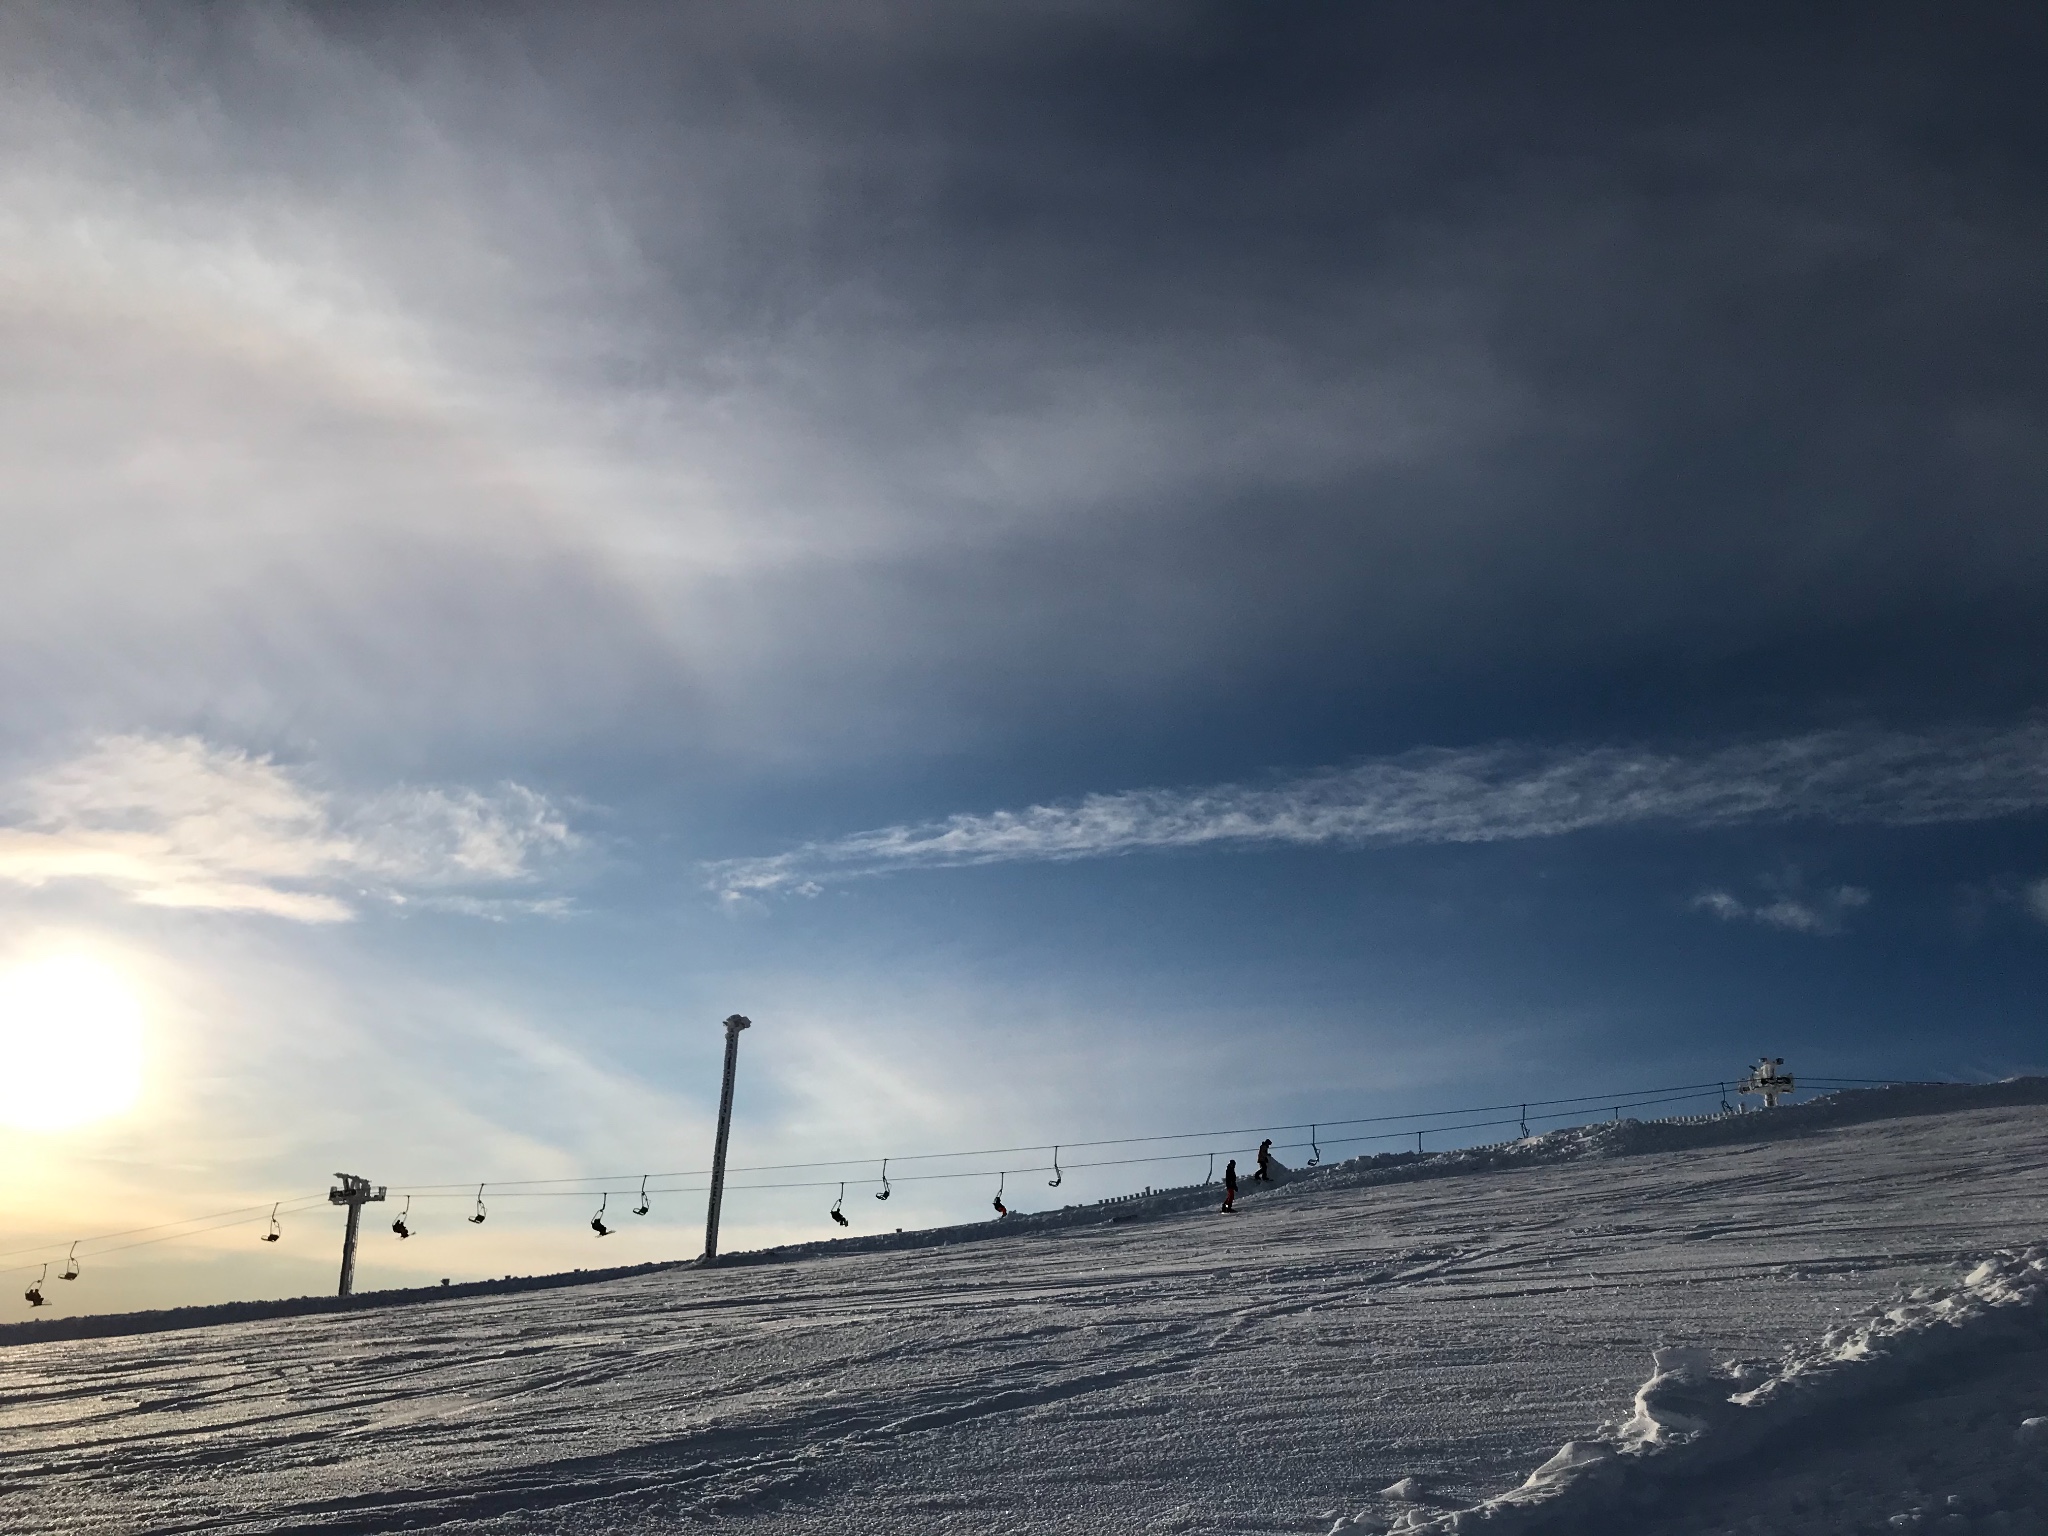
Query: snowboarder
[1265, 1173]
[1230, 1185]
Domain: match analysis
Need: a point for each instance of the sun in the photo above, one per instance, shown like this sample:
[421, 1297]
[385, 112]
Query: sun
[70, 1043]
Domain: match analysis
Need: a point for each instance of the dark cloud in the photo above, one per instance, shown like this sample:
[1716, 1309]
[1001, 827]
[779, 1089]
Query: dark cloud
[931, 376]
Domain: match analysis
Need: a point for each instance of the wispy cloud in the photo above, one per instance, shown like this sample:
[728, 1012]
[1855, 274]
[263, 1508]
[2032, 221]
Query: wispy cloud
[1824, 914]
[1488, 794]
[181, 822]
[2037, 899]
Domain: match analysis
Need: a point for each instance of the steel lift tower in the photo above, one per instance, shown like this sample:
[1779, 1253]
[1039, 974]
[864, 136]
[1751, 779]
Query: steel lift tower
[355, 1193]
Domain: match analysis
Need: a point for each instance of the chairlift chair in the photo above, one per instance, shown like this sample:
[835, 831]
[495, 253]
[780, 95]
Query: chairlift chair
[478, 1219]
[1315, 1153]
[883, 1192]
[275, 1231]
[71, 1264]
[837, 1214]
[34, 1294]
[597, 1222]
[401, 1226]
[1057, 1176]
[1002, 1210]
[643, 1207]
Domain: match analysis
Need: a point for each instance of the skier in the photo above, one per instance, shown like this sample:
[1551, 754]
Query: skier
[1230, 1185]
[1265, 1173]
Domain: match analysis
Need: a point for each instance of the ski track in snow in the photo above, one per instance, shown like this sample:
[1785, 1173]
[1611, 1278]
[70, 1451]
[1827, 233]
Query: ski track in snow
[1273, 1371]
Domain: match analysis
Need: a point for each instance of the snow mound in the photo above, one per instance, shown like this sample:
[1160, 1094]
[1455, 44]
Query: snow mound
[1695, 1412]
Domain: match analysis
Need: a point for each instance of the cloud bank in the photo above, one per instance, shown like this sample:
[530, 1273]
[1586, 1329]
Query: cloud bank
[1488, 794]
[181, 822]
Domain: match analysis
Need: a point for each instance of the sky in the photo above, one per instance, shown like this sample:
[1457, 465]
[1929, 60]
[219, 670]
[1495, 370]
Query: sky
[1096, 570]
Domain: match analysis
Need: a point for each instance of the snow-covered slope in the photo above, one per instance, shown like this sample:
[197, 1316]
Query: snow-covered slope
[1380, 1344]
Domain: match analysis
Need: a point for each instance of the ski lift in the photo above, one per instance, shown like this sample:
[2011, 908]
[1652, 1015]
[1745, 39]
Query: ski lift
[1210, 1176]
[478, 1219]
[837, 1214]
[597, 1222]
[1768, 1080]
[883, 1192]
[71, 1264]
[1057, 1177]
[1002, 1210]
[275, 1231]
[643, 1207]
[1315, 1153]
[401, 1226]
[34, 1294]
[1726, 1107]
[1525, 1122]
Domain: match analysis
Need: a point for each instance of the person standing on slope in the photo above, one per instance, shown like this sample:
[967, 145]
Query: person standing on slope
[1230, 1185]
[1265, 1173]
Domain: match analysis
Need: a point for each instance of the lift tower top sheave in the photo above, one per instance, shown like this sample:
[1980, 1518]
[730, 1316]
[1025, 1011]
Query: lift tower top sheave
[733, 1026]
[354, 1192]
[1768, 1080]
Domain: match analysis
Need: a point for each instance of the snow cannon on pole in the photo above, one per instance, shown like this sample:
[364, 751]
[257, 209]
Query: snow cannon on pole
[353, 1192]
[1767, 1080]
[733, 1026]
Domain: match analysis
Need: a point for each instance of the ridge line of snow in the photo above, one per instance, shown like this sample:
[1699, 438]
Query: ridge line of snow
[1620, 1138]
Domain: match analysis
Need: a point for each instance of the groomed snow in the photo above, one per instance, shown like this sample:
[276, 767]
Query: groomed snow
[1398, 1343]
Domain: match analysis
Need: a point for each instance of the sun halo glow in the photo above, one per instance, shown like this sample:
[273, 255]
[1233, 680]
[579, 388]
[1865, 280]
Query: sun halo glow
[70, 1043]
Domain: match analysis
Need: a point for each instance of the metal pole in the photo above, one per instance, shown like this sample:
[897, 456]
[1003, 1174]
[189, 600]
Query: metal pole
[353, 1191]
[348, 1248]
[733, 1026]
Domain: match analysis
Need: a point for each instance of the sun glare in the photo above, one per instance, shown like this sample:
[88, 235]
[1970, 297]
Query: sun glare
[70, 1043]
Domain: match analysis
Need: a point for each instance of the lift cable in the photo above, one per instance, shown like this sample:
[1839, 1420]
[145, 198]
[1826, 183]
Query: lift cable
[598, 1185]
[242, 1218]
[1625, 1099]
[588, 1185]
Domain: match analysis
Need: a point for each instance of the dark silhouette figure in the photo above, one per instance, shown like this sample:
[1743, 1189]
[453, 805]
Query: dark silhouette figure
[1230, 1185]
[1265, 1173]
